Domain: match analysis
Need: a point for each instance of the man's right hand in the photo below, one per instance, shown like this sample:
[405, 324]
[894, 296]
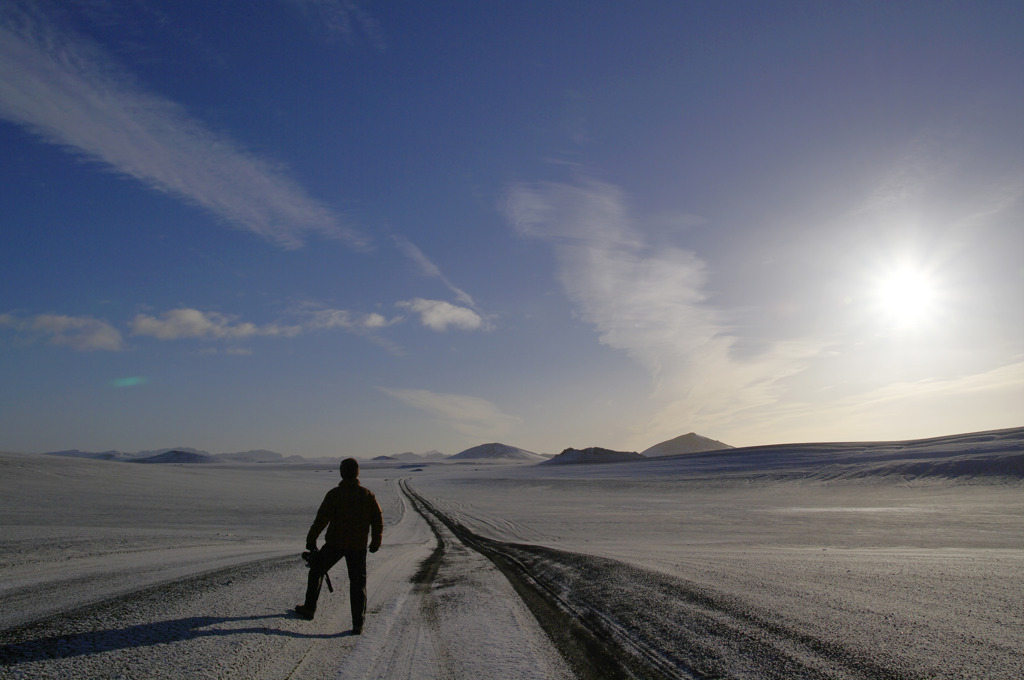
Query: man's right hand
[311, 546]
[374, 546]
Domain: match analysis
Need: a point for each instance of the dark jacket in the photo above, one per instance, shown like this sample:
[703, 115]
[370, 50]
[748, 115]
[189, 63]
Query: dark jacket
[349, 512]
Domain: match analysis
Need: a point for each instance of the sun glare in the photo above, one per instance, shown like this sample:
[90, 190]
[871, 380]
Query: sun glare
[906, 296]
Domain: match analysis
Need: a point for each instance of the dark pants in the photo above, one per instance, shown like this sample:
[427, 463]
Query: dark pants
[355, 560]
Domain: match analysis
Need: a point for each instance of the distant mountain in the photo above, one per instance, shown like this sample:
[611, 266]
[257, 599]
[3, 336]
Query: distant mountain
[498, 452]
[257, 456]
[103, 455]
[990, 457]
[408, 456]
[182, 454]
[157, 452]
[591, 456]
[187, 455]
[176, 457]
[687, 443]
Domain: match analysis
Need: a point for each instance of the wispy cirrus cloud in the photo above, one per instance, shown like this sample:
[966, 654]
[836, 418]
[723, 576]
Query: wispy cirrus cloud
[651, 303]
[476, 418]
[988, 399]
[81, 333]
[410, 250]
[65, 89]
[343, 19]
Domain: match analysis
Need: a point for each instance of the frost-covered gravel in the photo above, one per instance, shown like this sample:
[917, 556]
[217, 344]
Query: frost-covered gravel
[851, 575]
[202, 602]
[756, 567]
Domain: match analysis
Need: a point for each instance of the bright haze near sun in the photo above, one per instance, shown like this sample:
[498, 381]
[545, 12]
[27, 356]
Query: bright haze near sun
[337, 228]
[907, 296]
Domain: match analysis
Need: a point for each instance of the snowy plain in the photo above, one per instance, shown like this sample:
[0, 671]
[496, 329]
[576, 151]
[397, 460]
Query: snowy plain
[880, 560]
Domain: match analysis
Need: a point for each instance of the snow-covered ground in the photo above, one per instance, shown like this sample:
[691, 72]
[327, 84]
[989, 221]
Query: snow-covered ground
[112, 570]
[896, 561]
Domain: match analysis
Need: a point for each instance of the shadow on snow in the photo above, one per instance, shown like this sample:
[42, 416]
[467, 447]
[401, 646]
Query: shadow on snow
[143, 635]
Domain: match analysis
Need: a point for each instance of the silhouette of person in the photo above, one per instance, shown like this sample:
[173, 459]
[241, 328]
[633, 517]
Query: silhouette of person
[349, 512]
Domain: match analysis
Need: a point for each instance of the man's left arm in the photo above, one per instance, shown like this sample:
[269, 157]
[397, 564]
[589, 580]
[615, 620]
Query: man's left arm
[376, 524]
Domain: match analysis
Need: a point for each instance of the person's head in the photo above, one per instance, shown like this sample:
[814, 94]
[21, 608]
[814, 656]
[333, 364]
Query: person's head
[349, 468]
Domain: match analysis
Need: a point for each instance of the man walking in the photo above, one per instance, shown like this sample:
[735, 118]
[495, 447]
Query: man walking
[349, 512]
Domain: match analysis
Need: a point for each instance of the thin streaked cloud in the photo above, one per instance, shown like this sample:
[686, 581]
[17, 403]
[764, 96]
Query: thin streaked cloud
[344, 20]
[476, 418]
[428, 268]
[977, 401]
[65, 89]
[651, 303]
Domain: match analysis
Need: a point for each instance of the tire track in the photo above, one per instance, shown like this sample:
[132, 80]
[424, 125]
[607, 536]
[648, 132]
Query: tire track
[417, 643]
[587, 655]
[460, 592]
[615, 620]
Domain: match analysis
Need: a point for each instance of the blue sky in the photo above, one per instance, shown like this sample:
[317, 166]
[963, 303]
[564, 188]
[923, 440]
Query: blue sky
[330, 227]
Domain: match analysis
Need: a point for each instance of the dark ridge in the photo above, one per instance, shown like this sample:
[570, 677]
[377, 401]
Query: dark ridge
[186, 457]
[592, 455]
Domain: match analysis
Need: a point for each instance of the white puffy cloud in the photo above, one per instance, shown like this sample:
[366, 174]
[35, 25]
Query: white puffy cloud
[78, 332]
[340, 318]
[85, 333]
[375, 321]
[177, 324]
[186, 323]
[439, 315]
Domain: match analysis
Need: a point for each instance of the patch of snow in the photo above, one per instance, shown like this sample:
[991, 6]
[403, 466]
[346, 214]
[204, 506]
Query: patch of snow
[829, 560]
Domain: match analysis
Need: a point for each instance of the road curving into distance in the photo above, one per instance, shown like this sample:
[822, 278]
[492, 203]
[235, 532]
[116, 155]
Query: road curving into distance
[437, 611]
[611, 619]
[444, 603]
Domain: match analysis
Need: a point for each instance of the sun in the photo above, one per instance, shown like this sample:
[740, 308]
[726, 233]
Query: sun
[906, 296]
